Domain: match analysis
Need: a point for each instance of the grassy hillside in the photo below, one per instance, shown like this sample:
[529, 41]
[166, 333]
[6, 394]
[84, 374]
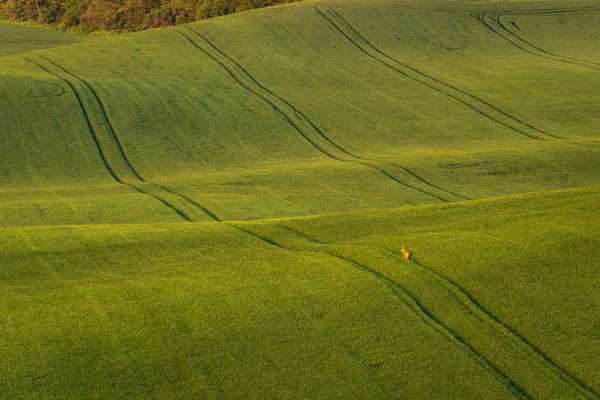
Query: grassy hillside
[216, 210]
[293, 124]
[15, 39]
[499, 301]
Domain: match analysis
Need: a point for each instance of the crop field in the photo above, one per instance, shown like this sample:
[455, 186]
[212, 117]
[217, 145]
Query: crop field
[15, 39]
[217, 210]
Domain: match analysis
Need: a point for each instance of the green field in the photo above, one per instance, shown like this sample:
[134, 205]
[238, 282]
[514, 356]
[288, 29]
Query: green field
[216, 210]
[15, 39]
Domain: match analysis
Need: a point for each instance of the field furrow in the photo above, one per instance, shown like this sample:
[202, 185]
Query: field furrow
[308, 129]
[111, 150]
[492, 21]
[327, 199]
[542, 365]
[452, 310]
[408, 298]
[476, 104]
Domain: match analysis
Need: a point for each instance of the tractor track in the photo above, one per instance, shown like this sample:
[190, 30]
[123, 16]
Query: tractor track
[414, 304]
[279, 112]
[86, 117]
[400, 291]
[117, 163]
[105, 115]
[308, 129]
[498, 19]
[492, 21]
[295, 118]
[429, 183]
[471, 101]
[525, 359]
[518, 341]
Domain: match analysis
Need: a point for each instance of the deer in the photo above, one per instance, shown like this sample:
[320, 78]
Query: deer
[406, 253]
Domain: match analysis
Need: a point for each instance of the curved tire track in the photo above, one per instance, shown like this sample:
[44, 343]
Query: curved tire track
[411, 301]
[309, 130]
[517, 340]
[110, 149]
[508, 35]
[473, 102]
[461, 311]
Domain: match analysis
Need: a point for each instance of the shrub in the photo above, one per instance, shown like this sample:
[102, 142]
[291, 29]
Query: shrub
[123, 15]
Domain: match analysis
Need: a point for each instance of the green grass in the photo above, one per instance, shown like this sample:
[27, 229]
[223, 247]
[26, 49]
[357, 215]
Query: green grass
[195, 309]
[20, 38]
[216, 210]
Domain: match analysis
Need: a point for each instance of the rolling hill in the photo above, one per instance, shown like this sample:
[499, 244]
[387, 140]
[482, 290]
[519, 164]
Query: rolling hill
[216, 209]
[15, 39]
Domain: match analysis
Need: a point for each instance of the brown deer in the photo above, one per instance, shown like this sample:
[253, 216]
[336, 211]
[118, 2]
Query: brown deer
[406, 253]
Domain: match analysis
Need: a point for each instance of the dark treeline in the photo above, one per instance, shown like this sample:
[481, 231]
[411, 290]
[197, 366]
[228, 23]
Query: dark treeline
[122, 15]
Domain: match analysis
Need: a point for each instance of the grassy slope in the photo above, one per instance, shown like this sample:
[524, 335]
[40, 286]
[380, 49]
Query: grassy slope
[182, 134]
[296, 111]
[509, 74]
[207, 310]
[15, 39]
[530, 259]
